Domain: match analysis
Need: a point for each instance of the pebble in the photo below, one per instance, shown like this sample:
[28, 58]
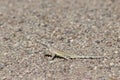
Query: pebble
[2, 66]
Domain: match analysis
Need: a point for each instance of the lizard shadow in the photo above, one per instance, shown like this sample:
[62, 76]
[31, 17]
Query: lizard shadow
[47, 55]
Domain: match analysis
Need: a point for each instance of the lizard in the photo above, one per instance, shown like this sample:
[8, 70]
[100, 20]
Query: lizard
[55, 52]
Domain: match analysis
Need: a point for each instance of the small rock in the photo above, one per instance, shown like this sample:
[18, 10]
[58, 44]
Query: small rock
[2, 66]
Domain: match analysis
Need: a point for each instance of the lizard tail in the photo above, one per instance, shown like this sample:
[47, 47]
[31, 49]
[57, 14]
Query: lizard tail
[87, 57]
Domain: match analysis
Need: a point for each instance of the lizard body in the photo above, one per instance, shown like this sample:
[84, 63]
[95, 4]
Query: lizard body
[65, 55]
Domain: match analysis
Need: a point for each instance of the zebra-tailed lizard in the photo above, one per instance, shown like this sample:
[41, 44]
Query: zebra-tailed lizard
[55, 52]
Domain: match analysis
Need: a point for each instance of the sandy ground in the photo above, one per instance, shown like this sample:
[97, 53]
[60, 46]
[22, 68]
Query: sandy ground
[83, 27]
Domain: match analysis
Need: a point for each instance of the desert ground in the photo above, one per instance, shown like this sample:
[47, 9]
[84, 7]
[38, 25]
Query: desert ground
[81, 27]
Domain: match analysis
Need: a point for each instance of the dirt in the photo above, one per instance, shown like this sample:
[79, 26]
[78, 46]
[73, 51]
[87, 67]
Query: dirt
[82, 27]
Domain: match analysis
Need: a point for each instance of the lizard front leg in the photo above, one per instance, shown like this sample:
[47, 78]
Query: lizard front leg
[53, 56]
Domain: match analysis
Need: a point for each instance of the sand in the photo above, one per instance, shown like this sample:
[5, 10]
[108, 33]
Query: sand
[82, 27]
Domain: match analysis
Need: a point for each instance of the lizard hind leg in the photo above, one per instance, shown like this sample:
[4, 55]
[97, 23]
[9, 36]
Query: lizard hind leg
[57, 56]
